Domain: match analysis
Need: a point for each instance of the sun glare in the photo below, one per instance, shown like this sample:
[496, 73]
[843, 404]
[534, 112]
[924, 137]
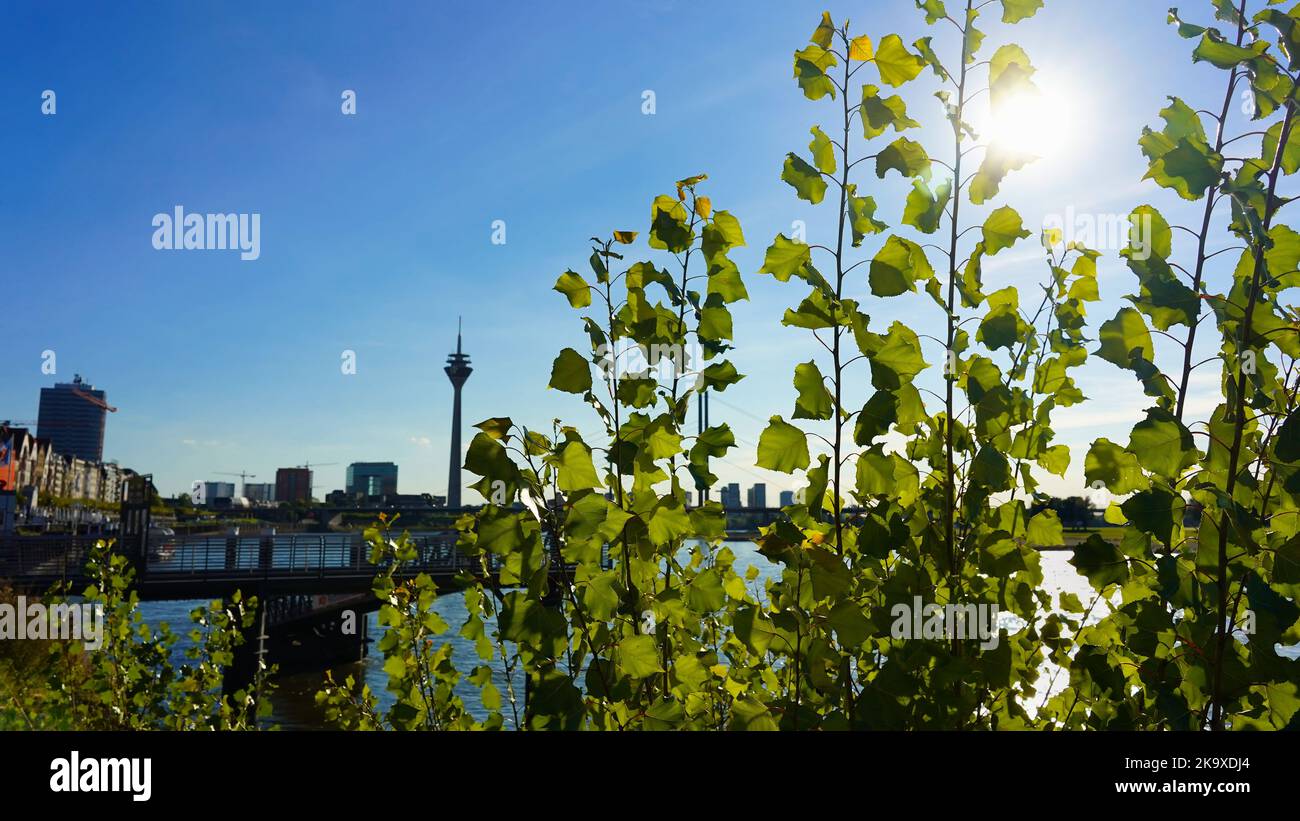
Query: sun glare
[1035, 122]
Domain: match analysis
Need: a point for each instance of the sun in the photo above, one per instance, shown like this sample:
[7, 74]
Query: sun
[1033, 122]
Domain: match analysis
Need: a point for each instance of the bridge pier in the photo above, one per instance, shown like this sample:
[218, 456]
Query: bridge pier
[295, 633]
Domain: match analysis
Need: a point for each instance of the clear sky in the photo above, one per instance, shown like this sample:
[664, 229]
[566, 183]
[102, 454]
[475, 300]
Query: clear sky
[376, 228]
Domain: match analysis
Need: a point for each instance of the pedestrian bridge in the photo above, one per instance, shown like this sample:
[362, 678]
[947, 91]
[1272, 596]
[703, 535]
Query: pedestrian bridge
[215, 567]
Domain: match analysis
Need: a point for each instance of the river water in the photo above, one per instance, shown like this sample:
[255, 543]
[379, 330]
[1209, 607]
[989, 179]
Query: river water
[294, 707]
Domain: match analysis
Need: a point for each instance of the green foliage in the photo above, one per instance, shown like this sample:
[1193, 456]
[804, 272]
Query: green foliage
[131, 681]
[1193, 616]
[935, 512]
[616, 603]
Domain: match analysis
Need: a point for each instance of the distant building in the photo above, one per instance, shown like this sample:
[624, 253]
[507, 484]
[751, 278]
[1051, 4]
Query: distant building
[72, 417]
[372, 478]
[756, 496]
[212, 491]
[31, 465]
[264, 492]
[731, 495]
[293, 485]
[787, 498]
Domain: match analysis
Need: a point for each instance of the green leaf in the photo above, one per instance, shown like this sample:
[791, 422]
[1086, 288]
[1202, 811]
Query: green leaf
[806, 180]
[575, 288]
[924, 208]
[875, 418]
[1055, 460]
[1188, 167]
[1290, 154]
[719, 375]
[904, 156]
[705, 592]
[785, 258]
[1155, 511]
[1009, 74]
[669, 522]
[862, 215]
[1162, 445]
[1220, 53]
[1013, 11]
[638, 656]
[1125, 339]
[810, 66]
[1286, 443]
[998, 162]
[899, 352]
[571, 372]
[1101, 561]
[897, 267]
[879, 113]
[669, 225]
[574, 468]
[1002, 228]
[814, 401]
[896, 64]
[823, 152]
[782, 447]
[1114, 467]
[1045, 530]
[934, 10]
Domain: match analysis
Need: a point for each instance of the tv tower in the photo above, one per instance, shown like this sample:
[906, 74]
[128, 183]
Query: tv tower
[457, 370]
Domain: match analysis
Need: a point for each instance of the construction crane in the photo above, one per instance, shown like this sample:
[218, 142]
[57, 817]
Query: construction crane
[244, 476]
[99, 403]
[308, 466]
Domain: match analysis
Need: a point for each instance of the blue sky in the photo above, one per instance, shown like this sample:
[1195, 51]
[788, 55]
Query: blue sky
[376, 228]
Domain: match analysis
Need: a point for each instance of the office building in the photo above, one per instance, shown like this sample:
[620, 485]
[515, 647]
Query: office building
[372, 478]
[293, 485]
[756, 496]
[787, 498]
[263, 492]
[71, 417]
[731, 495]
[205, 494]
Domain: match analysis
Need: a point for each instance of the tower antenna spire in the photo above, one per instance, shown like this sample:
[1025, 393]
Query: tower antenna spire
[458, 370]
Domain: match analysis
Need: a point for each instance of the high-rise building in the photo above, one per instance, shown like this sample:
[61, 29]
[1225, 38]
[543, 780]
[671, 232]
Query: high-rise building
[293, 485]
[756, 496]
[457, 370]
[787, 498]
[731, 495]
[264, 492]
[371, 478]
[72, 417]
[207, 493]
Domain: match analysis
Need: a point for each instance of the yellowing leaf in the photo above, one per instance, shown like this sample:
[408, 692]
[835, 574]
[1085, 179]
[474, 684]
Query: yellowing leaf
[861, 49]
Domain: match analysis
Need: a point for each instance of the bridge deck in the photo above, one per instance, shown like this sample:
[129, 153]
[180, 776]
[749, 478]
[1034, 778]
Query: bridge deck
[190, 568]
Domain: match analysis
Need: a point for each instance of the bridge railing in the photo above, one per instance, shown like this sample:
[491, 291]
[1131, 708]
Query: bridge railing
[47, 557]
[297, 556]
